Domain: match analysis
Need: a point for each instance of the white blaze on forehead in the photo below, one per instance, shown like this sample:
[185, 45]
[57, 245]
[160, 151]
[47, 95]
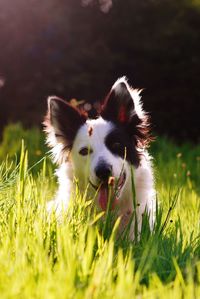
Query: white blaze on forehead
[93, 133]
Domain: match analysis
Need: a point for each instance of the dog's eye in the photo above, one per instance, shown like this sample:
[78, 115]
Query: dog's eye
[84, 151]
[117, 146]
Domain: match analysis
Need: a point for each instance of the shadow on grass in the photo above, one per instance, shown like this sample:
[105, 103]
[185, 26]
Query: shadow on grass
[160, 251]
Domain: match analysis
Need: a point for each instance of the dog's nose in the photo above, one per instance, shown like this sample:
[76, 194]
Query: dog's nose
[103, 171]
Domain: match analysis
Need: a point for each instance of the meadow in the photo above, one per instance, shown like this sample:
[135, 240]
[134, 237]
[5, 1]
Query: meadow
[41, 258]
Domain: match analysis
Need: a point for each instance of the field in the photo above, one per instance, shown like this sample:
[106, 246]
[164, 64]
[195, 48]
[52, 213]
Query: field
[40, 258]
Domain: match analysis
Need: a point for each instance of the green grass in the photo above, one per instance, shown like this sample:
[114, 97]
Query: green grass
[40, 258]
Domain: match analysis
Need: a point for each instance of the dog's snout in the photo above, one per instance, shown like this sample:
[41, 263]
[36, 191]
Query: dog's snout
[103, 171]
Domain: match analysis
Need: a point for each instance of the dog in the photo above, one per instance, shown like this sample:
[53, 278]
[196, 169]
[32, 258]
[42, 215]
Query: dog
[115, 143]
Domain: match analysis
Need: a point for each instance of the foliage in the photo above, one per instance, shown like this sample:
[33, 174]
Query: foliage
[10, 146]
[73, 51]
[43, 258]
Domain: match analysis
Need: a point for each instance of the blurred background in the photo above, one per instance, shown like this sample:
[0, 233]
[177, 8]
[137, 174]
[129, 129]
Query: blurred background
[76, 50]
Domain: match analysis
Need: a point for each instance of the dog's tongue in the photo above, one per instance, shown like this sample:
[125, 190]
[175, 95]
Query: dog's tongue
[103, 197]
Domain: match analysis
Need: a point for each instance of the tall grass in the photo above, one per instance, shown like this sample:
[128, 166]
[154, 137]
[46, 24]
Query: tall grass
[41, 258]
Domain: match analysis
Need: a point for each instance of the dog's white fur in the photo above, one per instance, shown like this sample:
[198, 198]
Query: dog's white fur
[75, 166]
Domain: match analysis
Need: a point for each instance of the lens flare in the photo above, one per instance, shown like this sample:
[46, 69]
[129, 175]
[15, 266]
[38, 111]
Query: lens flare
[105, 5]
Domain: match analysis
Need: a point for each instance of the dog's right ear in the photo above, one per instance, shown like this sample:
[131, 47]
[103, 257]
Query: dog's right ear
[62, 122]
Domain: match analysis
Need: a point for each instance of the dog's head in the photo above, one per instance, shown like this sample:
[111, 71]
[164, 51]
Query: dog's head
[100, 150]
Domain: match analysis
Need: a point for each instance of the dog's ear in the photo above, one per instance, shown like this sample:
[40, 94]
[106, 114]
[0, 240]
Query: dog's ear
[119, 106]
[122, 106]
[62, 122]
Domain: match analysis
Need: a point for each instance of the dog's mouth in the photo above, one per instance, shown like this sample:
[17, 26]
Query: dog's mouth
[110, 191]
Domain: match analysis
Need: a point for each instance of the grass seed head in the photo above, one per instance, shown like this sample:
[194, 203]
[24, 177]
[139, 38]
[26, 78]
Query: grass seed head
[111, 181]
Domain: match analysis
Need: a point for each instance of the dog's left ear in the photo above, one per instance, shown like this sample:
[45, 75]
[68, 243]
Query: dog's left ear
[119, 106]
[122, 106]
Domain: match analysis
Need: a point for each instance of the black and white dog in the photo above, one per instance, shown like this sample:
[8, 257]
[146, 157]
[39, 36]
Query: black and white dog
[113, 143]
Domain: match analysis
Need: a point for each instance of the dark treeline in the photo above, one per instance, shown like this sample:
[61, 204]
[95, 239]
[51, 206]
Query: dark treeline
[59, 47]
